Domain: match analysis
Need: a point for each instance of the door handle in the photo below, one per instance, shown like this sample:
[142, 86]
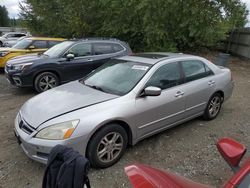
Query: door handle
[89, 59]
[211, 82]
[179, 93]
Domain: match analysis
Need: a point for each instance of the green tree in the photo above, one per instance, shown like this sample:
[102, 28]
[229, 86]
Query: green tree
[4, 18]
[159, 25]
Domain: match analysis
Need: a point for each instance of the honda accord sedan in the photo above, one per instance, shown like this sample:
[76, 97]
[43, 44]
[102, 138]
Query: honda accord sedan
[120, 103]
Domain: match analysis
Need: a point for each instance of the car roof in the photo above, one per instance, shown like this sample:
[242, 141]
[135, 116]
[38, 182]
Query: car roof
[153, 57]
[94, 39]
[15, 33]
[46, 38]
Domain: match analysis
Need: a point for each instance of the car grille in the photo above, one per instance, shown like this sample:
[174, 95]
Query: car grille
[8, 67]
[25, 127]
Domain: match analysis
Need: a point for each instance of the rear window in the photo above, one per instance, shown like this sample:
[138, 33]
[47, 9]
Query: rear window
[117, 47]
[102, 48]
[53, 43]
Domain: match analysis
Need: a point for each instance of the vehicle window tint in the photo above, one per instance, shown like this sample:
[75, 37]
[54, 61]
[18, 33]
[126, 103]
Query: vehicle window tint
[53, 43]
[19, 35]
[166, 76]
[10, 35]
[117, 47]
[208, 70]
[39, 44]
[80, 50]
[102, 48]
[194, 70]
[245, 182]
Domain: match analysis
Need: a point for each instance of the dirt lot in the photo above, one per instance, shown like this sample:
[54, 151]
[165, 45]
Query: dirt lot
[188, 149]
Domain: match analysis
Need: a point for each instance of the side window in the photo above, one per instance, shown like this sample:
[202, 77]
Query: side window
[39, 44]
[53, 43]
[166, 76]
[82, 49]
[117, 47]
[102, 48]
[194, 70]
[208, 70]
[10, 35]
[19, 35]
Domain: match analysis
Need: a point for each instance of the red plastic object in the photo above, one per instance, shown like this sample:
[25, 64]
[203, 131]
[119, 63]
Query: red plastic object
[231, 150]
[142, 176]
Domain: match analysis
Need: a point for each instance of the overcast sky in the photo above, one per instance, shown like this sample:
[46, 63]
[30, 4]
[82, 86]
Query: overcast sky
[13, 8]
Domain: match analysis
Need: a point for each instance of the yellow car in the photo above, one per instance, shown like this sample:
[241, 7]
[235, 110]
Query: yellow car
[27, 46]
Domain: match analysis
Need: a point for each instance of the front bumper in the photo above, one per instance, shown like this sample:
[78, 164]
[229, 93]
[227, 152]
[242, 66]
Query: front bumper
[17, 79]
[39, 149]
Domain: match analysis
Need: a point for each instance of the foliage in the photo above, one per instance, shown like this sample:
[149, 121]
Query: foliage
[4, 18]
[159, 25]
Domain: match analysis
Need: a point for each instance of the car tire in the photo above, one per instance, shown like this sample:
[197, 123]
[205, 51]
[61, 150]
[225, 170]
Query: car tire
[1, 44]
[45, 81]
[107, 146]
[213, 107]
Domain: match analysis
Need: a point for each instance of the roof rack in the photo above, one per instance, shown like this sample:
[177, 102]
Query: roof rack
[94, 38]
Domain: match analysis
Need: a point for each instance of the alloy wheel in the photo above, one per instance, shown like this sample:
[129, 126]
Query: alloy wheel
[47, 82]
[214, 106]
[110, 147]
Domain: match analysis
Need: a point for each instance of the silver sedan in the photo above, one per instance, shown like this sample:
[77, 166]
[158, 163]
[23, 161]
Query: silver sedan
[121, 103]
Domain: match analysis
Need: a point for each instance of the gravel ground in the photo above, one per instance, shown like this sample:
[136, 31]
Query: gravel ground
[188, 149]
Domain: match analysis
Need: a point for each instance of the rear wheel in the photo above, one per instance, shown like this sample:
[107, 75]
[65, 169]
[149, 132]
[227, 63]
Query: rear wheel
[1, 44]
[213, 107]
[45, 81]
[107, 146]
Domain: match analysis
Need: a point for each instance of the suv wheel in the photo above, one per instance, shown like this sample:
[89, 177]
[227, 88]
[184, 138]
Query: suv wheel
[45, 81]
[107, 146]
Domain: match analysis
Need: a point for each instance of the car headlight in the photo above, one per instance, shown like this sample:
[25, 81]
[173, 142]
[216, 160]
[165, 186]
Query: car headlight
[58, 131]
[22, 66]
[2, 54]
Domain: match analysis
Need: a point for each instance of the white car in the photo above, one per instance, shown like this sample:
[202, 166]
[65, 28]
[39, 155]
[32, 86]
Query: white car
[9, 39]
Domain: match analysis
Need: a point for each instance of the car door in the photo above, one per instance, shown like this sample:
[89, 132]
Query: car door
[80, 65]
[159, 112]
[199, 84]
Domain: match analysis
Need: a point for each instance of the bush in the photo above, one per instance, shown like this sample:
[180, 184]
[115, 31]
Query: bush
[159, 25]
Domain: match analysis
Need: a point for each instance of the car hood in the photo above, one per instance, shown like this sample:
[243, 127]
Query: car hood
[59, 101]
[24, 59]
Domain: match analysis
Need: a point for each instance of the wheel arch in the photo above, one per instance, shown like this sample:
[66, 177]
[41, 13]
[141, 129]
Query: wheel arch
[221, 94]
[123, 124]
[46, 70]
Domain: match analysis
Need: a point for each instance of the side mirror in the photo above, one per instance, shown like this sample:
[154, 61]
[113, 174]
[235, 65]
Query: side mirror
[31, 47]
[232, 151]
[151, 91]
[70, 57]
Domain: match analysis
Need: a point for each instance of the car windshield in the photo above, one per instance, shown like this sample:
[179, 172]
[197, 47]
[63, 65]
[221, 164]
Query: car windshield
[58, 49]
[116, 77]
[22, 44]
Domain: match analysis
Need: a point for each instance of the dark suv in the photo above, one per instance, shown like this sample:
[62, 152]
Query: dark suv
[67, 61]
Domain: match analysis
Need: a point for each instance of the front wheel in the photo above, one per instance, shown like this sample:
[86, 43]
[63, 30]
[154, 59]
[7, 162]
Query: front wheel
[45, 81]
[107, 146]
[213, 107]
